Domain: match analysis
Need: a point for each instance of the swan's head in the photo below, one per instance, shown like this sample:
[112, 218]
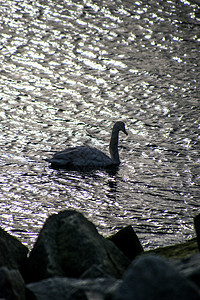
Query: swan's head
[119, 125]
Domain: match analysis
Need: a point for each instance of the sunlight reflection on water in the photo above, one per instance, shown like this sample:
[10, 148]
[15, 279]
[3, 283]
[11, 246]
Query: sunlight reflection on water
[68, 71]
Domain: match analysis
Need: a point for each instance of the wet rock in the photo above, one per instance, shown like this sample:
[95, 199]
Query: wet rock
[11, 285]
[68, 245]
[127, 241]
[151, 277]
[70, 289]
[197, 228]
[13, 254]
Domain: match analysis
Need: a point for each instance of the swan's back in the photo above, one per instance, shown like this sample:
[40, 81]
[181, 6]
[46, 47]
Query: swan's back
[80, 157]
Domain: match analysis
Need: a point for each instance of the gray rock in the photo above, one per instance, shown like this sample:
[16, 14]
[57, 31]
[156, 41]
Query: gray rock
[13, 254]
[197, 228]
[127, 241]
[94, 271]
[151, 277]
[11, 284]
[70, 288]
[68, 245]
[190, 268]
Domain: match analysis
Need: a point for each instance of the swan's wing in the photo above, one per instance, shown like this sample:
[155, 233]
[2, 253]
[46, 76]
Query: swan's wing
[62, 158]
[92, 157]
[80, 157]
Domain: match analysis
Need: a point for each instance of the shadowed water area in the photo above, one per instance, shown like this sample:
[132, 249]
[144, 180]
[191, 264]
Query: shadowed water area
[68, 71]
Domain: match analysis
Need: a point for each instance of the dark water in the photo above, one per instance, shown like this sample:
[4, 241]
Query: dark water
[68, 71]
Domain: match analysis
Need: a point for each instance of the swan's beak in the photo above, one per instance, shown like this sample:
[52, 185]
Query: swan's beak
[125, 131]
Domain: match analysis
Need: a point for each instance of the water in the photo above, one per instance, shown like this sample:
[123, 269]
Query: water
[69, 70]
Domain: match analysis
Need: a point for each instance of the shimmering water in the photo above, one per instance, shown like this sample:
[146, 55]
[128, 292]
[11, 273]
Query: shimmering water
[69, 70]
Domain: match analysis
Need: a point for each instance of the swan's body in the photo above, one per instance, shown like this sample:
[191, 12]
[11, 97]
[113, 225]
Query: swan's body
[88, 157]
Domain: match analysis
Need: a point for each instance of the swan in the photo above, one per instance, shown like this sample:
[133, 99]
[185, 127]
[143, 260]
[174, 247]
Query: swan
[86, 157]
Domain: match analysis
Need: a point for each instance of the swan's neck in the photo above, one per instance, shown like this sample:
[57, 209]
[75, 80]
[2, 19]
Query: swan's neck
[114, 146]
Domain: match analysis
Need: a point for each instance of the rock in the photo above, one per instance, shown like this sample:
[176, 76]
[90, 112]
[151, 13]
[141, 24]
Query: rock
[94, 272]
[151, 277]
[190, 268]
[70, 289]
[11, 284]
[127, 241]
[13, 254]
[68, 245]
[197, 228]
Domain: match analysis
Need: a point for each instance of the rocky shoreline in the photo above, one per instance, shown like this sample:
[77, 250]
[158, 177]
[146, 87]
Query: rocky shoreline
[71, 260]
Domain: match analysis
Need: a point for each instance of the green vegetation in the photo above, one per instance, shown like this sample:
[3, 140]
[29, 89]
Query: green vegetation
[177, 251]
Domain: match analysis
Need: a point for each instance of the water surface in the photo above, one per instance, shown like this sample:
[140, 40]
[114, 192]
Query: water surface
[69, 70]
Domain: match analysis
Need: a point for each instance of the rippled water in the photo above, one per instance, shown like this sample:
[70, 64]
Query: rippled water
[69, 70]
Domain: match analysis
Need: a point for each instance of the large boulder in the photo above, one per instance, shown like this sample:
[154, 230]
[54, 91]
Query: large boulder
[13, 254]
[69, 245]
[127, 241]
[11, 285]
[151, 277]
[69, 288]
[197, 228]
[190, 268]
